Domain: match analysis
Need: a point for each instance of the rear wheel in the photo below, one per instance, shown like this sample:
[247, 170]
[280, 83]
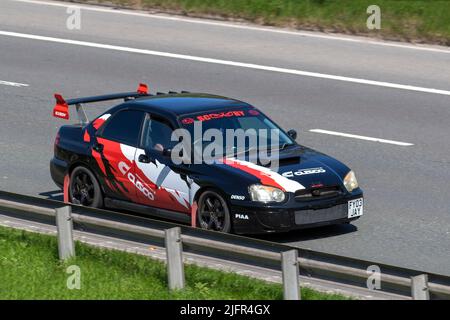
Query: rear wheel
[213, 213]
[84, 188]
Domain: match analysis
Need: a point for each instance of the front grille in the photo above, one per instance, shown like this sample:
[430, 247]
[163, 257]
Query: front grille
[337, 212]
[317, 193]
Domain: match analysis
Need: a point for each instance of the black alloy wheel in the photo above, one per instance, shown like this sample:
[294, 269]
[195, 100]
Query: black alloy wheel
[84, 188]
[213, 213]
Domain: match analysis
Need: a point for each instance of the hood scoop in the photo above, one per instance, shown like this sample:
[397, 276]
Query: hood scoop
[282, 162]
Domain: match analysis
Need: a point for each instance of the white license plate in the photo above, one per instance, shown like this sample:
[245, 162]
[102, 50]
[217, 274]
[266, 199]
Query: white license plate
[355, 208]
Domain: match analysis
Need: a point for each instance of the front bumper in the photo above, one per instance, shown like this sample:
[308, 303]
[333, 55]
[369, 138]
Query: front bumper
[251, 220]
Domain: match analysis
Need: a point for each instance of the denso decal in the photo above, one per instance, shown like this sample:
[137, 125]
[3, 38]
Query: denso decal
[125, 169]
[303, 172]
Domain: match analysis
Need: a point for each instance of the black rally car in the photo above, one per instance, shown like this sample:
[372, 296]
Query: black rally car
[124, 160]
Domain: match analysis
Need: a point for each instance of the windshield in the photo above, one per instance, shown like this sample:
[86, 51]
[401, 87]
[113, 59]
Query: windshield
[235, 131]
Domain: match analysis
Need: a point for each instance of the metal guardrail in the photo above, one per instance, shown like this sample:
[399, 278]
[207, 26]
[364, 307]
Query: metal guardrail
[342, 270]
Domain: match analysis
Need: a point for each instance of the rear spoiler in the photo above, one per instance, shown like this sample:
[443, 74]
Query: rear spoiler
[61, 109]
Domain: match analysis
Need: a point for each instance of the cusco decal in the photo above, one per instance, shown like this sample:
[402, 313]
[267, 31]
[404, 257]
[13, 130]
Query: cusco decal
[265, 175]
[144, 188]
[303, 172]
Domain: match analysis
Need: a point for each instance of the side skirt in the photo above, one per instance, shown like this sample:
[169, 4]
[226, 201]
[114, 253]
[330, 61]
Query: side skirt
[151, 211]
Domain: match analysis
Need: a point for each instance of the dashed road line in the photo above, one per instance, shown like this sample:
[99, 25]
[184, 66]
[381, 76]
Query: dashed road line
[13, 84]
[226, 62]
[348, 135]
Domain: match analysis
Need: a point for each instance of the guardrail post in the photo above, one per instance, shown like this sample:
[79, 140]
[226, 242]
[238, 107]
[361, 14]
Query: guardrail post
[174, 253]
[64, 226]
[289, 265]
[419, 287]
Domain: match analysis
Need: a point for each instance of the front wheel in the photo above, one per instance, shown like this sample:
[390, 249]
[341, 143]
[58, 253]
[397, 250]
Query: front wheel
[213, 213]
[84, 188]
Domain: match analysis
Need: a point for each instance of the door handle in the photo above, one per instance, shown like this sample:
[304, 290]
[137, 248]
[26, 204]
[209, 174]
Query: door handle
[144, 158]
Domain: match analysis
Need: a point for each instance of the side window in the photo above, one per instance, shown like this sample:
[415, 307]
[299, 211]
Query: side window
[157, 135]
[124, 127]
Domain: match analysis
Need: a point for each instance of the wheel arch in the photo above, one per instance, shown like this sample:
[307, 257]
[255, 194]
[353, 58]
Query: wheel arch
[214, 188]
[80, 163]
[223, 194]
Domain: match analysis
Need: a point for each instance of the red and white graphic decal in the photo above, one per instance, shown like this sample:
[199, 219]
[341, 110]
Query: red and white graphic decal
[97, 123]
[265, 175]
[86, 136]
[172, 191]
[138, 181]
[109, 162]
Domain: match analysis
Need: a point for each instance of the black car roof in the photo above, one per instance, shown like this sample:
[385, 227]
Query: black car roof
[184, 103]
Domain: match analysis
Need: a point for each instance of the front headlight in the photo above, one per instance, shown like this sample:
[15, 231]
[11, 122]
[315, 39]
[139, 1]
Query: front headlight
[350, 181]
[265, 193]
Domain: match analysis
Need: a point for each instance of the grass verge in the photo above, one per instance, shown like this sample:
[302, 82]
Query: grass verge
[30, 269]
[405, 20]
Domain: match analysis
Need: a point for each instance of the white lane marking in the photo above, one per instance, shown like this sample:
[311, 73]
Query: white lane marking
[227, 62]
[240, 26]
[347, 135]
[13, 84]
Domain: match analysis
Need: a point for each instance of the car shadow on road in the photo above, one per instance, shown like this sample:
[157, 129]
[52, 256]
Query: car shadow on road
[309, 234]
[53, 195]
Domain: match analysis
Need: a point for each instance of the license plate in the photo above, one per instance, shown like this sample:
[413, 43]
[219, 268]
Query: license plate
[355, 208]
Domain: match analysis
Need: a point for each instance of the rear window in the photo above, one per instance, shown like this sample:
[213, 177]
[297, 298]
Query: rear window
[124, 127]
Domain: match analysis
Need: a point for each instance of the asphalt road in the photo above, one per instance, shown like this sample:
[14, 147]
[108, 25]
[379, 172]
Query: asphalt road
[407, 218]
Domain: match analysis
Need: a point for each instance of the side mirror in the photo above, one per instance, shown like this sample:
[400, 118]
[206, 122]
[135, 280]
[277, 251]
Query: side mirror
[293, 134]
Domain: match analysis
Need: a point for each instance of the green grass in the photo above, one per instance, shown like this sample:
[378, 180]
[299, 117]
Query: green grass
[30, 269]
[408, 20]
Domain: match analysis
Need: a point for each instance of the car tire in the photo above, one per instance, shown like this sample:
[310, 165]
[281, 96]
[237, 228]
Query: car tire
[84, 188]
[213, 212]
